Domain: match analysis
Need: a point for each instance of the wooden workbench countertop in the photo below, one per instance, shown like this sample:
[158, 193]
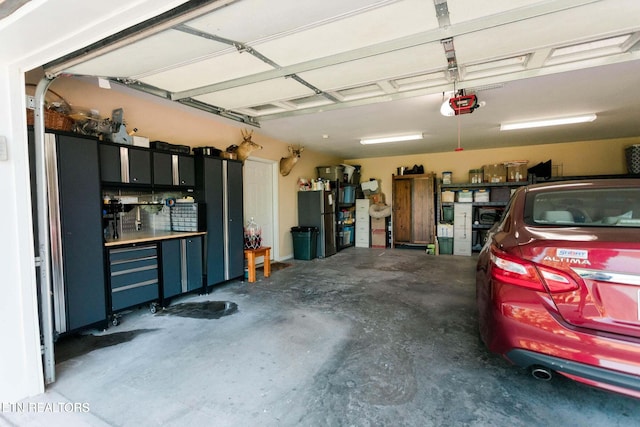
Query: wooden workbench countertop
[151, 236]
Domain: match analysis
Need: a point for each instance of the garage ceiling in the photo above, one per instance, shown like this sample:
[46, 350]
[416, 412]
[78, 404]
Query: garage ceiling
[326, 74]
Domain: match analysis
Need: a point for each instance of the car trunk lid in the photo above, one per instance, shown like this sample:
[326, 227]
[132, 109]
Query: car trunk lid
[608, 294]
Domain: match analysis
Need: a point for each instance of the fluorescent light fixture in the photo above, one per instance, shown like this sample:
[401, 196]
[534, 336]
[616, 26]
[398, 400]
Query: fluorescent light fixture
[551, 122]
[392, 139]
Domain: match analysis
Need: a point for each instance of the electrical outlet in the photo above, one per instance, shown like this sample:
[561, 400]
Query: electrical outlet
[3, 148]
[31, 102]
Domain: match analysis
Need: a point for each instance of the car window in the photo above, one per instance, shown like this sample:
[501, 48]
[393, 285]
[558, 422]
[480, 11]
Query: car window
[504, 223]
[618, 207]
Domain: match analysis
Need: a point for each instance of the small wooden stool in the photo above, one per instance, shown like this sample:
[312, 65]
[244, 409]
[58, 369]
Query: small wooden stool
[251, 254]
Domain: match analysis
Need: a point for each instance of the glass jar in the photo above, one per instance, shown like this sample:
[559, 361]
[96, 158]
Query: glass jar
[252, 235]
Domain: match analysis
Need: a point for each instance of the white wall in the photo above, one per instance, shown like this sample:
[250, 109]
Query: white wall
[39, 32]
[20, 366]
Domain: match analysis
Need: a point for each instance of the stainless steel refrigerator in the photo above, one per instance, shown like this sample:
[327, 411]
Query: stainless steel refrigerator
[317, 209]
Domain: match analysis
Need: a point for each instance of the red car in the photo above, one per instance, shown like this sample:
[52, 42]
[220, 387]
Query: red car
[558, 282]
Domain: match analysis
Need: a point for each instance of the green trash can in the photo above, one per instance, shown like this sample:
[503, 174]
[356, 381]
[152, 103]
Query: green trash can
[305, 242]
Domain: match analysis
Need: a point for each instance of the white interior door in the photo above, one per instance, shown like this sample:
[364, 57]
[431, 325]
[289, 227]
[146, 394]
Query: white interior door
[260, 200]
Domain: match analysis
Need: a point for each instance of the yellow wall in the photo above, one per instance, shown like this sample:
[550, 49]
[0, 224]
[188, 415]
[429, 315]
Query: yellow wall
[163, 120]
[577, 158]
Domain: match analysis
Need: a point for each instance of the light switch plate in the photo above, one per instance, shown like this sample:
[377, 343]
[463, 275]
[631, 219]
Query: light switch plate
[3, 148]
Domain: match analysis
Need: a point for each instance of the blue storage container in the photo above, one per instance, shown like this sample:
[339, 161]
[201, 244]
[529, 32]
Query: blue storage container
[349, 235]
[349, 194]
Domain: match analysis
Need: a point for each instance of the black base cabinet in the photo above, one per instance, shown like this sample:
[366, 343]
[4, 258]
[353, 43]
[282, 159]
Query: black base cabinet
[134, 276]
[181, 267]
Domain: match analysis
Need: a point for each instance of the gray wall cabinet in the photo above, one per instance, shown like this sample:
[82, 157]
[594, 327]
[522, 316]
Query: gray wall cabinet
[125, 165]
[173, 170]
[75, 220]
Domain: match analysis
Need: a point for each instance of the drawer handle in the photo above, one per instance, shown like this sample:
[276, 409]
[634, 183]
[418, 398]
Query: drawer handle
[128, 260]
[134, 270]
[135, 285]
[132, 249]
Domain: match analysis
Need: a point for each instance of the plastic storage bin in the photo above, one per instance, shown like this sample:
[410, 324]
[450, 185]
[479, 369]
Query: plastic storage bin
[349, 194]
[445, 244]
[517, 170]
[481, 195]
[349, 235]
[305, 241]
[475, 176]
[331, 173]
[495, 173]
[447, 213]
[448, 196]
[465, 196]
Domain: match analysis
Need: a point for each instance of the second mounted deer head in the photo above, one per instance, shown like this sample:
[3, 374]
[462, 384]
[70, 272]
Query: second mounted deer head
[287, 163]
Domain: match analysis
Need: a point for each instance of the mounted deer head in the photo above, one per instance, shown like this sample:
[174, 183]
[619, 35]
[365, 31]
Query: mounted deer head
[245, 148]
[287, 163]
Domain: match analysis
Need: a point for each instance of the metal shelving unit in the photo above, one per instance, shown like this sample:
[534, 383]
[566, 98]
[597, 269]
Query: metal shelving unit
[477, 227]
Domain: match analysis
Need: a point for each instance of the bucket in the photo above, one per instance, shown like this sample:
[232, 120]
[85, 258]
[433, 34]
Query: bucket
[348, 171]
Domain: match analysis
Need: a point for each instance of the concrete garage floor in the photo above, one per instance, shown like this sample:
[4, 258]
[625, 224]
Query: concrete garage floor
[367, 337]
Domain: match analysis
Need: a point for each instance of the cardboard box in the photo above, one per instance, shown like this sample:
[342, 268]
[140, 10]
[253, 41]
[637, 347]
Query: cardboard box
[495, 173]
[378, 223]
[378, 238]
[370, 187]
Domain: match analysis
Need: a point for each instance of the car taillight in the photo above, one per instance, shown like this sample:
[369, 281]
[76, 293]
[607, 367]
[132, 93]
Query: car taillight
[519, 272]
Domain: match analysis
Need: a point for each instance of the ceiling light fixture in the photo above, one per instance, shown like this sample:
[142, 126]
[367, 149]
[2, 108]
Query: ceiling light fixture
[399, 138]
[445, 108]
[551, 122]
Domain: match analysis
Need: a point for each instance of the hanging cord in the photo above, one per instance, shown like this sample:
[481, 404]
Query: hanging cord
[456, 111]
[459, 130]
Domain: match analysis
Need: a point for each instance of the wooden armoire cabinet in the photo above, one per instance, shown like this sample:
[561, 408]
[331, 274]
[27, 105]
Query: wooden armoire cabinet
[413, 209]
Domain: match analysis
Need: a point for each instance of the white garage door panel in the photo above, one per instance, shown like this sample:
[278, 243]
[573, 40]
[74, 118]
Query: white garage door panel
[250, 20]
[467, 10]
[354, 32]
[256, 94]
[562, 28]
[411, 61]
[153, 53]
[214, 70]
